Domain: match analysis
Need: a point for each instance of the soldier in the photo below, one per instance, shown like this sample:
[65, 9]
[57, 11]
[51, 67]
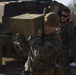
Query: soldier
[67, 36]
[44, 49]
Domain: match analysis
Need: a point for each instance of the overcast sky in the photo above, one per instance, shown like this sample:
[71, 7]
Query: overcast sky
[65, 2]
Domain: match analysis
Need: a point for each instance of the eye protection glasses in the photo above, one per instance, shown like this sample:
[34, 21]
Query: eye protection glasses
[64, 15]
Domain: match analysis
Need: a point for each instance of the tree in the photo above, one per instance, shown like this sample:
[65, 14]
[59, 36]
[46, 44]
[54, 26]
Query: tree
[75, 3]
[72, 6]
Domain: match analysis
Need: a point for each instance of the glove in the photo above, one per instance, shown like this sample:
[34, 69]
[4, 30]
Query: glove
[39, 32]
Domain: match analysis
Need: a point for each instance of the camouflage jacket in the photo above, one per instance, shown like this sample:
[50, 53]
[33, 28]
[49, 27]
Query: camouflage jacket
[43, 53]
[68, 36]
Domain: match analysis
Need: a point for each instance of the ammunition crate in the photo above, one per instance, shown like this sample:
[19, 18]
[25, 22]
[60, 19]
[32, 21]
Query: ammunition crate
[27, 24]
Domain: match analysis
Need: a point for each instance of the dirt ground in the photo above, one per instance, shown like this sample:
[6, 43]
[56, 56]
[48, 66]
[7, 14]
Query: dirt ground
[11, 66]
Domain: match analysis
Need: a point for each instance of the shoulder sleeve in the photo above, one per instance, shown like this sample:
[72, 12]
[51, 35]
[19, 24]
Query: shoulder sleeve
[46, 49]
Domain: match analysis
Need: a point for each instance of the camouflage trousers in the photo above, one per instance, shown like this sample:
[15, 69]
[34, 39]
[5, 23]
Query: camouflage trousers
[64, 62]
[53, 71]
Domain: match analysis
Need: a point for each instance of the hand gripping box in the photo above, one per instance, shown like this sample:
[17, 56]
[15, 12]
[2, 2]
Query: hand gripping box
[26, 24]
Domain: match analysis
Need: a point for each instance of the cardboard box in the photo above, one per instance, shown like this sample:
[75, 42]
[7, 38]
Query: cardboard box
[2, 6]
[27, 24]
[11, 8]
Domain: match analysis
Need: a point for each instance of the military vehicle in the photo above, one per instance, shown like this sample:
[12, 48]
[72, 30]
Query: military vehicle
[15, 24]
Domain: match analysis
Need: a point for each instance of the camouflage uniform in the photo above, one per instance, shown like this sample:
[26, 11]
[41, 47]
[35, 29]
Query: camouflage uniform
[44, 49]
[67, 36]
[43, 54]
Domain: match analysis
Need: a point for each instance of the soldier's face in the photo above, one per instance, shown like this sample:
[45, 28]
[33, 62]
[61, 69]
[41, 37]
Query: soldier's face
[48, 30]
[64, 16]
